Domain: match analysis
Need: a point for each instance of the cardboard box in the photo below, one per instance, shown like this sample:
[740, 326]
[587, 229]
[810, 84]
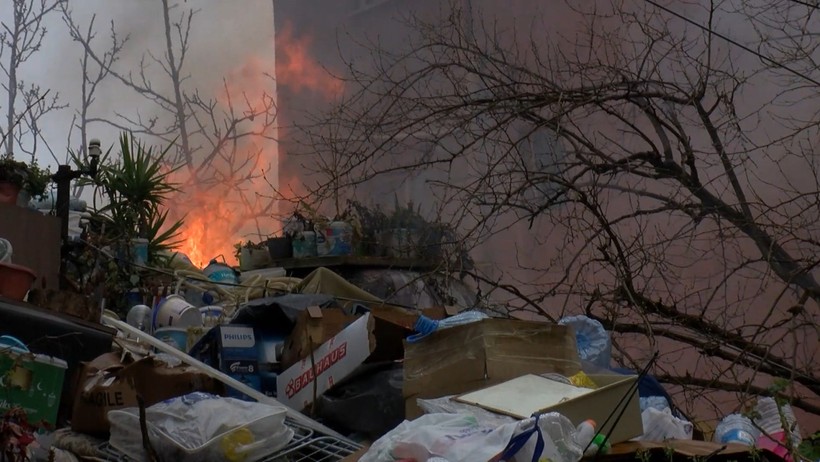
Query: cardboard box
[106, 384]
[527, 395]
[314, 327]
[393, 324]
[232, 349]
[332, 361]
[476, 355]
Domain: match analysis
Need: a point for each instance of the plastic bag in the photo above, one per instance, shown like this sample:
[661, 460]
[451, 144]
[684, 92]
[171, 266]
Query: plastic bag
[662, 425]
[446, 405]
[199, 426]
[548, 437]
[453, 437]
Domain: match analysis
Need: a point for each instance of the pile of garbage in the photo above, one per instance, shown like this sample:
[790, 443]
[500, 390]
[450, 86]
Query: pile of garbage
[326, 371]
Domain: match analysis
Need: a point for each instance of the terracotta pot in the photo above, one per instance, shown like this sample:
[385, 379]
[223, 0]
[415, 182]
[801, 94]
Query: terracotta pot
[15, 281]
[8, 193]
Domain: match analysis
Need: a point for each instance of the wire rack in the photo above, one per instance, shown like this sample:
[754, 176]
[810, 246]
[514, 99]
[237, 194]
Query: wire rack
[304, 447]
[321, 449]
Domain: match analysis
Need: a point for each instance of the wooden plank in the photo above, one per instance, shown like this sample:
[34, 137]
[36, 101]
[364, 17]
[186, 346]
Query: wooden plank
[35, 240]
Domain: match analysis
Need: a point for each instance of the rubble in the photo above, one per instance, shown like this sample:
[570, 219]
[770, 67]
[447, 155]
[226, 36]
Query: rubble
[333, 373]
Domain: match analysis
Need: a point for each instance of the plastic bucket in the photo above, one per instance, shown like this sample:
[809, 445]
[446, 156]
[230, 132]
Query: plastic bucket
[211, 315]
[220, 272]
[177, 337]
[175, 311]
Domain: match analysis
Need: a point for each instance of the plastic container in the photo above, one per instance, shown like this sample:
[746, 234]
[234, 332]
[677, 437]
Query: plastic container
[426, 326]
[770, 421]
[31, 381]
[735, 428]
[212, 315]
[594, 343]
[221, 272]
[139, 316]
[339, 235]
[175, 311]
[15, 281]
[5, 251]
[139, 251]
[175, 336]
[304, 245]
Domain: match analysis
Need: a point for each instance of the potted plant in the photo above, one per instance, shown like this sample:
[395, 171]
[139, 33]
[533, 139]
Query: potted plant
[404, 231]
[13, 176]
[252, 256]
[35, 184]
[19, 183]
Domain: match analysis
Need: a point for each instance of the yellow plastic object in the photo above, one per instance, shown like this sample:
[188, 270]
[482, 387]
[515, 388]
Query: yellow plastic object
[582, 380]
[232, 443]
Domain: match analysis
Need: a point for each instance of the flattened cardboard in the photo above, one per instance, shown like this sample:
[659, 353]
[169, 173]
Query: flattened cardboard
[476, 355]
[106, 384]
[330, 363]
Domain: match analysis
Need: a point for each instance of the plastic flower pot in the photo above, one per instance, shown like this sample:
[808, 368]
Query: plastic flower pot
[15, 281]
[8, 193]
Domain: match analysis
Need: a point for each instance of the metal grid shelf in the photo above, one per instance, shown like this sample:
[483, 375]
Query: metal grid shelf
[322, 449]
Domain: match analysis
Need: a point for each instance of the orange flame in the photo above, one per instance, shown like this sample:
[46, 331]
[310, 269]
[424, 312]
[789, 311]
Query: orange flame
[241, 207]
[296, 68]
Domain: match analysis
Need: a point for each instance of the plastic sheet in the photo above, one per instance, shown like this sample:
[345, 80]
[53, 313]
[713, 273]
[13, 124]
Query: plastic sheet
[453, 437]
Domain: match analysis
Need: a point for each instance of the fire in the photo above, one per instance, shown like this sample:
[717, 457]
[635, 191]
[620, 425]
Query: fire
[242, 203]
[297, 70]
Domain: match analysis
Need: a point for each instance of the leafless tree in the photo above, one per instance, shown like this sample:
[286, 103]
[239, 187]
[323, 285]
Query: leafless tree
[218, 140]
[664, 174]
[25, 104]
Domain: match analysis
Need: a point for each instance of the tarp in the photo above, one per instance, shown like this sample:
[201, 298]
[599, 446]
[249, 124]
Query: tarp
[325, 281]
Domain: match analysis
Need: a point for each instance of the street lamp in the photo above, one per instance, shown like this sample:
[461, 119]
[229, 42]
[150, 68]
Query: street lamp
[63, 178]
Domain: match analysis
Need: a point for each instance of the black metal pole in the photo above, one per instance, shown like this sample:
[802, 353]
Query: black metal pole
[63, 179]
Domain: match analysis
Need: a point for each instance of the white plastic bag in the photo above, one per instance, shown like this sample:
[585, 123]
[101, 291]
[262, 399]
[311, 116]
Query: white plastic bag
[453, 437]
[199, 426]
[661, 425]
[548, 437]
[446, 405]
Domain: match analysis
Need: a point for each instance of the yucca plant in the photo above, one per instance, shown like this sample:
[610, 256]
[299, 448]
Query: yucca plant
[134, 190]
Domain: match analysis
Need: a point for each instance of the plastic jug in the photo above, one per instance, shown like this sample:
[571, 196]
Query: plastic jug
[735, 428]
[594, 344]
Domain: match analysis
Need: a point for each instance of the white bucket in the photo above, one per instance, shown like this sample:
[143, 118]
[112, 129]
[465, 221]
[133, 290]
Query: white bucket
[174, 311]
[211, 315]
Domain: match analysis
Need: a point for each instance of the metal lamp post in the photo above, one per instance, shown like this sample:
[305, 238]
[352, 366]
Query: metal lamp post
[63, 178]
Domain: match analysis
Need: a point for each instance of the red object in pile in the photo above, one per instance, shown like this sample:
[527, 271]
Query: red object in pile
[15, 281]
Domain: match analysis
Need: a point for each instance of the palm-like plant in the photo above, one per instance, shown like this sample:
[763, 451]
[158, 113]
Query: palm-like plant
[134, 190]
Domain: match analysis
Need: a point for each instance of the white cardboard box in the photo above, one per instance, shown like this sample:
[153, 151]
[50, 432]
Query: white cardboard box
[332, 361]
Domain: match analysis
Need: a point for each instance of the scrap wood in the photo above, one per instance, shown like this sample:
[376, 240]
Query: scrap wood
[685, 449]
